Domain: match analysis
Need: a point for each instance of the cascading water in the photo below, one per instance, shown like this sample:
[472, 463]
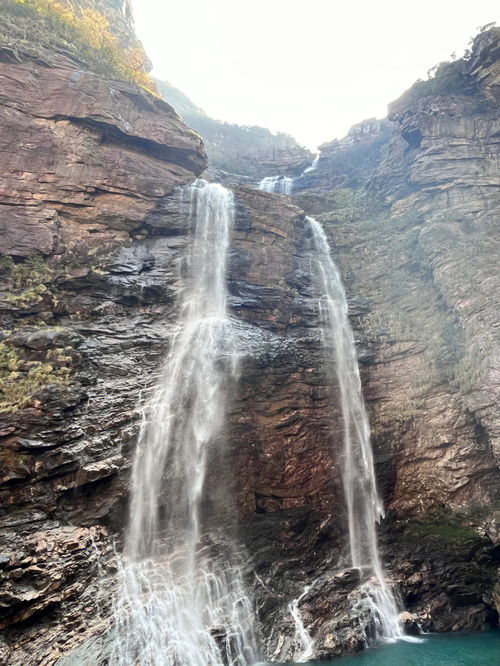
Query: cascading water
[301, 633]
[284, 184]
[182, 599]
[364, 507]
[312, 167]
[276, 184]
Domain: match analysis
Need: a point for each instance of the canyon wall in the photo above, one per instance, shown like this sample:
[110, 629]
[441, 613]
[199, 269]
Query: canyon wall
[89, 224]
[94, 240]
[413, 219]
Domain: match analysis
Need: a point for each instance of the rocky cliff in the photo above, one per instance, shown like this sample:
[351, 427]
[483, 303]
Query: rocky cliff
[91, 242]
[412, 216]
[425, 216]
[94, 241]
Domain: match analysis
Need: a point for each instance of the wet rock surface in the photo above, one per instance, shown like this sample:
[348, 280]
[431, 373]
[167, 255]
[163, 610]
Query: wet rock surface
[445, 573]
[91, 228]
[97, 241]
[415, 241]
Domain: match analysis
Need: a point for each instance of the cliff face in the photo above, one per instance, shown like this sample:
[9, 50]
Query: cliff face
[426, 221]
[416, 237]
[94, 242]
[348, 162]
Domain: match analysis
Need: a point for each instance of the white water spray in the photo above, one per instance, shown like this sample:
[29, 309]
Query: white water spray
[364, 507]
[182, 600]
[301, 633]
[277, 184]
[312, 167]
[284, 184]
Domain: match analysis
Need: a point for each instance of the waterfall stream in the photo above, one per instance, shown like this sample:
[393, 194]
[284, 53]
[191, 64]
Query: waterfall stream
[303, 636]
[312, 167]
[182, 598]
[364, 507]
[276, 184]
[284, 184]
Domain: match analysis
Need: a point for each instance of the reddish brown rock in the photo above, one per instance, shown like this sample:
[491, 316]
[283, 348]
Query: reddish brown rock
[79, 150]
[416, 240]
[102, 206]
[86, 165]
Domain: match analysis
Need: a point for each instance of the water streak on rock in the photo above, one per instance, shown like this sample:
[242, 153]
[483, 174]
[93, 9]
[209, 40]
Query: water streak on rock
[364, 507]
[306, 642]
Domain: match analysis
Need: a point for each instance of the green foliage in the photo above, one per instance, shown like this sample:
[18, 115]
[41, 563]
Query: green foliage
[9, 361]
[29, 278]
[20, 378]
[87, 36]
[34, 279]
[29, 273]
[389, 429]
[28, 296]
[452, 526]
[445, 532]
[390, 326]
[447, 78]
[471, 368]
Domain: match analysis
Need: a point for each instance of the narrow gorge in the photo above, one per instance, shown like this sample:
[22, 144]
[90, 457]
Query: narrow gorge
[248, 394]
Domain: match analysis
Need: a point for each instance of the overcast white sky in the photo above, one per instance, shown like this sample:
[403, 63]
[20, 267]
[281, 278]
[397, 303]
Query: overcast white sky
[311, 68]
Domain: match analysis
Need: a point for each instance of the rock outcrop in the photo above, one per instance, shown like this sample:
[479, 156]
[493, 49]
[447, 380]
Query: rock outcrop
[348, 162]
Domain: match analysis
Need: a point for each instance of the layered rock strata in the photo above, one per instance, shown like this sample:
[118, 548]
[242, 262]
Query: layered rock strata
[89, 219]
[95, 244]
[415, 236]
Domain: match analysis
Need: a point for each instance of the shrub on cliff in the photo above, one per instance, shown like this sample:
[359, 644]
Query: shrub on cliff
[21, 378]
[447, 78]
[50, 24]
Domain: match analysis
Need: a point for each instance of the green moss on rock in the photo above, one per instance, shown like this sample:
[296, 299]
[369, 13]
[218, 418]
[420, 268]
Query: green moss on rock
[21, 378]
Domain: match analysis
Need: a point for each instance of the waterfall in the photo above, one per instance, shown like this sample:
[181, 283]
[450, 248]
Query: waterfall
[182, 598]
[301, 633]
[284, 184]
[364, 507]
[312, 167]
[276, 184]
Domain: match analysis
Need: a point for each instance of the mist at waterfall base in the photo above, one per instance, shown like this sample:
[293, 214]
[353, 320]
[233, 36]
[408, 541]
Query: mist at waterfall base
[182, 598]
[455, 649]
